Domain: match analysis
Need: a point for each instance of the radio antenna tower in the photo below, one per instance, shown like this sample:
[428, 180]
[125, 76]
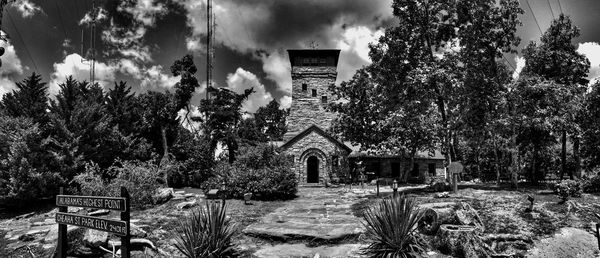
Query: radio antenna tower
[209, 46]
[90, 55]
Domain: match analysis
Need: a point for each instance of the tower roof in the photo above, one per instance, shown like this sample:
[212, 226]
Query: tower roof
[314, 53]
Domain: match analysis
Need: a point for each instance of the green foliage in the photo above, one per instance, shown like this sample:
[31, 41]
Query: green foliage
[140, 178]
[270, 120]
[223, 111]
[591, 185]
[391, 227]
[590, 125]
[30, 99]
[206, 233]
[250, 133]
[194, 161]
[568, 188]
[440, 185]
[259, 170]
[23, 171]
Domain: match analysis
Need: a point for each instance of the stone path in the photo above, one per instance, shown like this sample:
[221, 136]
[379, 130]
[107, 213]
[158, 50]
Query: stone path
[316, 216]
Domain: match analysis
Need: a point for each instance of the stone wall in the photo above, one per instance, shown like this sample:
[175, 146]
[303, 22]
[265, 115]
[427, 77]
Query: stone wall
[313, 144]
[307, 110]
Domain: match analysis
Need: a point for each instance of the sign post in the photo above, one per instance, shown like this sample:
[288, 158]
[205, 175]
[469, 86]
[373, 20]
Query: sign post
[118, 227]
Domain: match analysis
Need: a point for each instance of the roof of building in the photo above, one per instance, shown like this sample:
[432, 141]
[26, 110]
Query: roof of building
[293, 53]
[316, 129]
[357, 152]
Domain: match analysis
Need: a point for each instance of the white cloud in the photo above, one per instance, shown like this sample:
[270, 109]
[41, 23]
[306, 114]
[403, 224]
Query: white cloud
[26, 8]
[520, 62]
[188, 123]
[277, 67]
[242, 80]
[356, 40]
[89, 17]
[146, 11]
[72, 65]
[592, 51]
[154, 78]
[285, 102]
[11, 68]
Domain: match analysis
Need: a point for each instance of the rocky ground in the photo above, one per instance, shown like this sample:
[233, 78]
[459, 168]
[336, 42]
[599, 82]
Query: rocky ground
[326, 222]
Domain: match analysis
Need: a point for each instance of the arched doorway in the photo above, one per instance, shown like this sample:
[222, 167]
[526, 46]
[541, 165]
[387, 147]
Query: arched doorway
[312, 170]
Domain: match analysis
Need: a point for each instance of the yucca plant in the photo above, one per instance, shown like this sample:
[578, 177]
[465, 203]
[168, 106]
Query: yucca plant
[391, 228]
[206, 233]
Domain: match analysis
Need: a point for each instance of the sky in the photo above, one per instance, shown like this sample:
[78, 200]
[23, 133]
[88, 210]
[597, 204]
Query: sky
[138, 40]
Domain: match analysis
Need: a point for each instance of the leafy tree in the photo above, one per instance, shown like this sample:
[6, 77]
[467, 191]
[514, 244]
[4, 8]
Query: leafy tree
[23, 173]
[270, 119]
[30, 99]
[122, 108]
[590, 125]
[557, 59]
[442, 54]
[159, 119]
[223, 115]
[250, 133]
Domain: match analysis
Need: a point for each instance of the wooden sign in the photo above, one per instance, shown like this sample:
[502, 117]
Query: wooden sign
[112, 226]
[118, 227]
[108, 203]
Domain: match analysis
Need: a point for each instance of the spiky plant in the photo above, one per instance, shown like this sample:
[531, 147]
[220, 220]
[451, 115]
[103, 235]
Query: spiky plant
[207, 232]
[391, 227]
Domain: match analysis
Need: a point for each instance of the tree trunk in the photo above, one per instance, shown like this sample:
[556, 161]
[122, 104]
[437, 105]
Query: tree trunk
[576, 156]
[497, 165]
[231, 150]
[534, 167]
[563, 155]
[163, 134]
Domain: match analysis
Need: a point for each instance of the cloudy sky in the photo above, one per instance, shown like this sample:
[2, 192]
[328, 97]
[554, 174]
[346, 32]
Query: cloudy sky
[138, 40]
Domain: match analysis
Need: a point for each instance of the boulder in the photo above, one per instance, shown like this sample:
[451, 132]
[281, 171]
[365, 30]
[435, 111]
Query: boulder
[441, 195]
[186, 205]
[137, 231]
[95, 238]
[162, 195]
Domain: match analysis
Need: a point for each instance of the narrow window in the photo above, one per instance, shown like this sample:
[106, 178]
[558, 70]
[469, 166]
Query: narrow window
[314, 92]
[324, 99]
[334, 160]
[304, 87]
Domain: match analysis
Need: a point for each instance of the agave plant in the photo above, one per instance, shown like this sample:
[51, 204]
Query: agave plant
[207, 232]
[391, 228]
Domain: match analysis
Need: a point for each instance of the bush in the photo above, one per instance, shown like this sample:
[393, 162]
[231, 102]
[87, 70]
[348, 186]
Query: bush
[207, 232]
[140, 178]
[401, 215]
[568, 188]
[258, 170]
[439, 185]
[591, 185]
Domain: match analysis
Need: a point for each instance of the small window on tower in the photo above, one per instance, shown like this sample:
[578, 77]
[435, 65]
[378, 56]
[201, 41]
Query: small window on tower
[304, 87]
[324, 99]
[314, 92]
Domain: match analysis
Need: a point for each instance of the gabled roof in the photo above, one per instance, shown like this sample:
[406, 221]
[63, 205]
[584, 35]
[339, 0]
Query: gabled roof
[316, 129]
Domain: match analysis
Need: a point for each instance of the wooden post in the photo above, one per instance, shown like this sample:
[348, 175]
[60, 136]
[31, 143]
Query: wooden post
[125, 216]
[61, 247]
[377, 187]
[598, 234]
[454, 184]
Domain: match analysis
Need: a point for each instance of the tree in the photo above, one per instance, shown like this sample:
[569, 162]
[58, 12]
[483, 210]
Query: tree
[442, 54]
[223, 115]
[270, 119]
[160, 119]
[30, 99]
[250, 133]
[188, 83]
[557, 59]
[590, 125]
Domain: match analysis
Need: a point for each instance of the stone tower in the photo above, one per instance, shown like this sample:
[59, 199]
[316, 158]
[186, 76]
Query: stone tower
[315, 153]
[313, 71]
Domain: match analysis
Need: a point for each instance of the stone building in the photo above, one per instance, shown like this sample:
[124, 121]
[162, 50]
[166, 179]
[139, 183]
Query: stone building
[316, 153]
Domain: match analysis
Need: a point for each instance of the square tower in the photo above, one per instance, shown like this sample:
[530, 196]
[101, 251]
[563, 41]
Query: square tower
[313, 72]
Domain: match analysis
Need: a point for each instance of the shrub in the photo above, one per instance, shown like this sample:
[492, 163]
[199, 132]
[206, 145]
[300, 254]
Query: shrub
[568, 188]
[140, 178]
[391, 226]
[258, 170]
[591, 185]
[439, 185]
[207, 232]
[278, 183]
